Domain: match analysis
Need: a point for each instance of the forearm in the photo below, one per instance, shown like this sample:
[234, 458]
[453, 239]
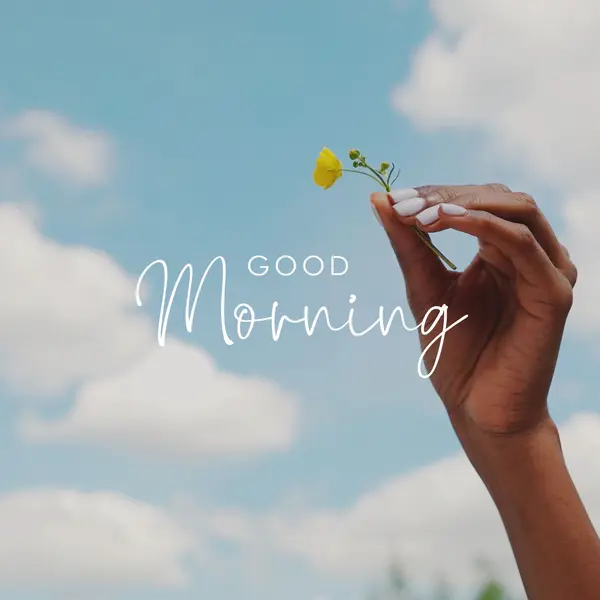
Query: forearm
[554, 542]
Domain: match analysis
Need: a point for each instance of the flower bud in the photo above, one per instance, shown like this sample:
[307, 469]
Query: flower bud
[384, 167]
[354, 154]
[356, 164]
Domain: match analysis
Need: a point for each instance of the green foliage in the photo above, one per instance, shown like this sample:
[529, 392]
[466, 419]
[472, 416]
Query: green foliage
[492, 591]
[396, 587]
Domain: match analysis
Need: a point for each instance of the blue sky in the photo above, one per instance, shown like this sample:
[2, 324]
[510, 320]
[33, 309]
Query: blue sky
[216, 112]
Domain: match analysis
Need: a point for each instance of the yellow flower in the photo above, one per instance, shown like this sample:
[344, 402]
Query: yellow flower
[328, 170]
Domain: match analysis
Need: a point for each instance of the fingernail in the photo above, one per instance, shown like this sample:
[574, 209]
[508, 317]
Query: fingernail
[453, 209]
[376, 215]
[406, 208]
[429, 215]
[403, 194]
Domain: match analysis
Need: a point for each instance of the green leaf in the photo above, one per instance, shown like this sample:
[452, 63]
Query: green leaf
[492, 591]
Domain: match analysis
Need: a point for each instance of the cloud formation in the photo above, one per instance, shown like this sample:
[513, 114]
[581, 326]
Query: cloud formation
[67, 313]
[527, 76]
[69, 324]
[437, 519]
[176, 401]
[71, 154]
[66, 538]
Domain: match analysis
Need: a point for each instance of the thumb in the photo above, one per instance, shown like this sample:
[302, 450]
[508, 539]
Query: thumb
[425, 276]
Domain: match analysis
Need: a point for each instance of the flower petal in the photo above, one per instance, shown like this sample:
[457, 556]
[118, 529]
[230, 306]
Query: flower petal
[328, 168]
[324, 178]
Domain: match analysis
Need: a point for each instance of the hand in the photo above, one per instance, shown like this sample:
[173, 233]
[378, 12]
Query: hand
[496, 366]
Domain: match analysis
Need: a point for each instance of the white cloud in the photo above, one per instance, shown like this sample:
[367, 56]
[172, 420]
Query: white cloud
[66, 312]
[69, 538]
[436, 520]
[69, 323]
[175, 401]
[527, 75]
[83, 157]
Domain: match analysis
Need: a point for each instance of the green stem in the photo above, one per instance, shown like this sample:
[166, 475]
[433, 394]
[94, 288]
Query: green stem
[390, 175]
[385, 184]
[428, 243]
[361, 173]
[424, 237]
[377, 174]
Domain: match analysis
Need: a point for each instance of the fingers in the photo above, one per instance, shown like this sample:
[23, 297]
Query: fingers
[515, 207]
[493, 198]
[425, 276]
[517, 244]
[513, 235]
[447, 193]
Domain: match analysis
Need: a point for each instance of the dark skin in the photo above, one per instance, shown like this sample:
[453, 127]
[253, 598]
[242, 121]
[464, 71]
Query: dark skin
[496, 368]
[516, 297]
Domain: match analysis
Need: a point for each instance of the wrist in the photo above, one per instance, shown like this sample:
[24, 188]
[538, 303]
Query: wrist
[523, 458]
[553, 540]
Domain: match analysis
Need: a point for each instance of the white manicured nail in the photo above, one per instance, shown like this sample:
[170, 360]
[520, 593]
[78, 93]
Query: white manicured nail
[429, 215]
[403, 194]
[453, 209]
[376, 215]
[406, 208]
